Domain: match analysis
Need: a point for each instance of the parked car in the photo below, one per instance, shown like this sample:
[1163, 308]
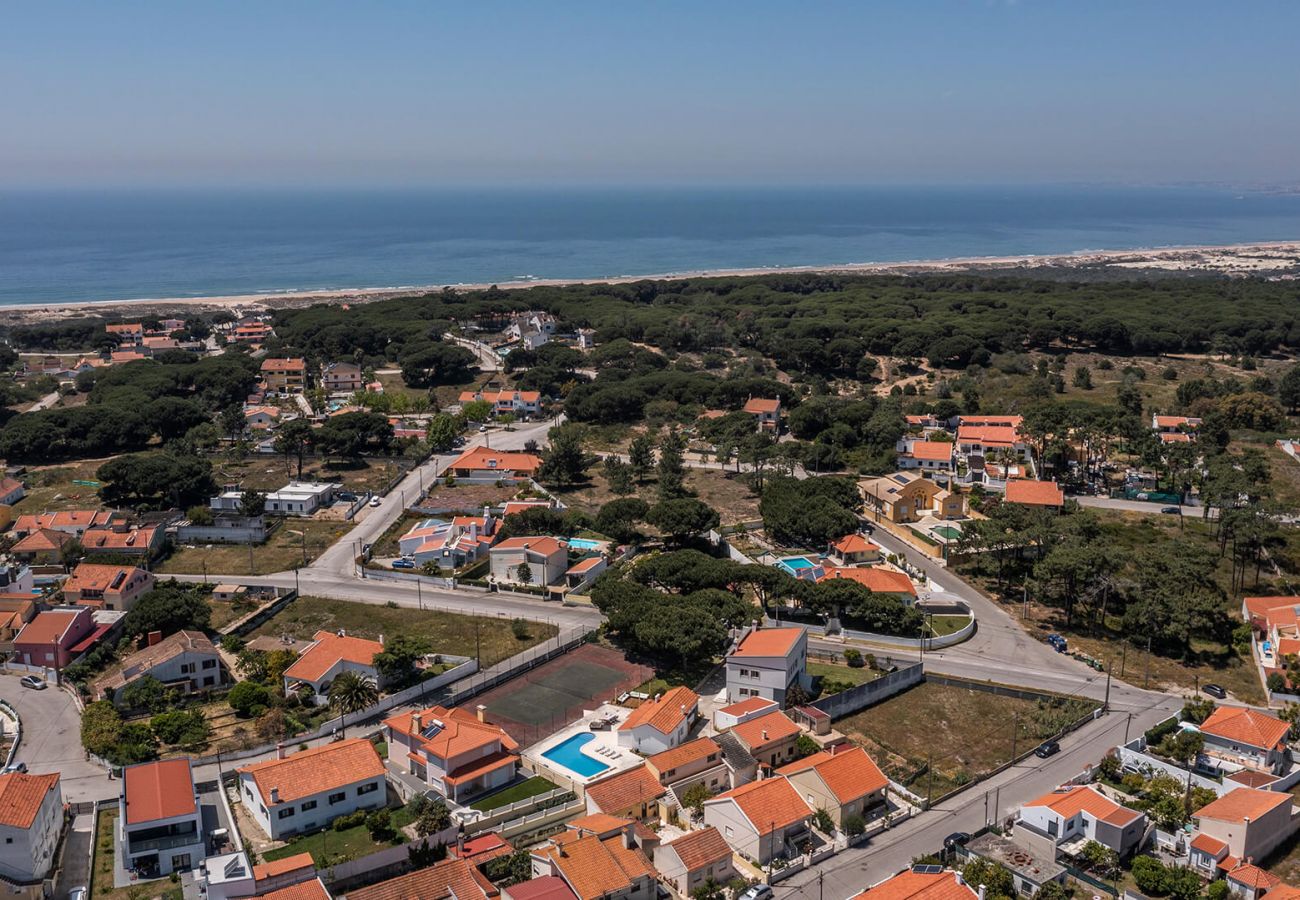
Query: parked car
[1215, 690]
[403, 564]
[346, 495]
[757, 892]
[1058, 643]
[1046, 749]
[77, 893]
[956, 839]
[1172, 510]
[16, 767]
[34, 682]
[375, 501]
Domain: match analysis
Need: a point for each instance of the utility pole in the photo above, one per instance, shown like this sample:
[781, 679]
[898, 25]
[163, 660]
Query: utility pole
[419, 594]
[821, 876]
[1105, 706]
[1146, 678]
[1123, 657]
[1015, 733]
[929, 787]
[1127, 723]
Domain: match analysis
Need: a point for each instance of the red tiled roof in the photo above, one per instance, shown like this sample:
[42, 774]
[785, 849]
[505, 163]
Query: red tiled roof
[43, 540]
[1176, 421]
[481, 849]
[483, 459]
[316, 770]
[600, 824]
[595, 867]
[850, 774]
[768, 804]
[328, 649]
[21, 796]
[689, 752]
[284, 365]
[748, 705]
[1034, 493]
[759, 405]
[625, 790]
[89, 577]
[1246, 726]
[910, 885]
[989, 435]
[697, 849]
[766, 729]
[461, 731]
[938, 451]
[665, 713]
[768, 642]
[1253, 877]
[1079, 799]
[158, 790]
[542, 544]
[48, 627]
[548, 887]
[1243, 803]
[854, 543]
[283, 866]
[877, 578]
[1212, 846]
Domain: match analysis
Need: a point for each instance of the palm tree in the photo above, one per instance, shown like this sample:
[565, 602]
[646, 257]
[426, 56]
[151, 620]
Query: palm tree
[352, 692]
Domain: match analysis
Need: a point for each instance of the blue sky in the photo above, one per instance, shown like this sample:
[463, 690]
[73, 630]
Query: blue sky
[482, 92]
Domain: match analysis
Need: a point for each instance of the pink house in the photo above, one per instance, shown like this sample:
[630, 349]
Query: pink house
[48, 640]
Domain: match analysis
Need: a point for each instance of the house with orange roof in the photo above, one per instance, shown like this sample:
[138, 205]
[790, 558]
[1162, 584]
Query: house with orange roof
[506, 402]
[71, 521]
[1246, 737]
[631, 794]
[452, 544]
[845, 784]
[11, 491]
[325, 658]
[251, 331]
[1175, 429]
[1041, 494]
[548, 887]
[880, 579]
[733, 714]
[483, 462]
[341, 378]
[1250, 822]
[31, 823]
[701, 761]
[232, 875]
[261, 418]
[284, 376]
[42, 547]
[538, 560]
[160, 822]
[661, 722]
[928, 456]
[768, 662]
[15, 612]
[49, 640]
[695, 859]
[853, 550]
[1248, 881]
[772, 739]
[911, 884]
[121, 539]
[106, 587]
[909, 497]
[762, 820]
[451, 879]
[128, 334]
[585, 571]
[304, 791]
[455, 752]
[595, 868]
[1073, 816]
[766, 412]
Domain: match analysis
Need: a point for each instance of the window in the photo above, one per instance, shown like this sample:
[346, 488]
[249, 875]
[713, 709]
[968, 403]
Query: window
[187, 668]
[209, 663]
[368, 788]
[727, 830]
[285, 813]
[337, 798]
[310, 804]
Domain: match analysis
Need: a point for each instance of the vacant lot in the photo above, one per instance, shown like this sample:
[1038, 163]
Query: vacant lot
[52, 487]
[724, 491]
[451, 633]
[296, 542]
[469, 497]
[269, 473]
[836, 678]
[961, 732]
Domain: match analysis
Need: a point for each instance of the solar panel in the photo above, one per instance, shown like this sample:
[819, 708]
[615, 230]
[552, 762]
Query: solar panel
[432, 729]
[927, 870]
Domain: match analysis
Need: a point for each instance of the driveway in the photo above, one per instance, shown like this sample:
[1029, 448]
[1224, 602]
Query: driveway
[52, 739]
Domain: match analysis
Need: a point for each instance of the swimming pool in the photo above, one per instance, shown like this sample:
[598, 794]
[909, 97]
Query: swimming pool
[568, 753]
[947, 531]
[797, 563]
[584, 544]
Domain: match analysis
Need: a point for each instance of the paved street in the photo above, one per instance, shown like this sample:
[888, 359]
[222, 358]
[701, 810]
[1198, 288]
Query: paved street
[52, 737]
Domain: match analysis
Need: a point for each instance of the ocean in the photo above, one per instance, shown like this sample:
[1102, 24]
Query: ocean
[114, 245]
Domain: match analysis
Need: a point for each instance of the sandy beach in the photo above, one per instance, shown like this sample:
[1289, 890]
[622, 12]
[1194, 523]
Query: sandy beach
[1275, 258]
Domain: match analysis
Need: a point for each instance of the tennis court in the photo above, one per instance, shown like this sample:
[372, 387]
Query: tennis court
[552, 695]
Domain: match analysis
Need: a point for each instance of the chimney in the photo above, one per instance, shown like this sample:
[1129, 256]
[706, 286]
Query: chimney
[765, 734]
[682, 707]
[275, 796]
[960, 880]
[629, 839]
[460, 844]
[154, 638]
[381, 640]
[481, 710]
[415, 722]
[982, 891]
[279, 750]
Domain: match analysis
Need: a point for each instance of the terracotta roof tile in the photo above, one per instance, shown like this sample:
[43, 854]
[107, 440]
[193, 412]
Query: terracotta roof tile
[1034, 493]
[43, 540]
[760, 405]
[937, 451]
[548, 887]
[48, 627]
[1253, 877]
[328, 649]
[686, 753]
[766, 729]
[767, 804]
[988, 435]
[748, 705]
[849, 775]
[697, 849]
[283, 866]
[854, 543]
[911, 885]
[665, 713]
[158, 790]
[599, 824]
[876, 578]
[1206, 844]
[460, 731]
[625, 790]
[21, 796]
[594, 867]
[1069, 803]
[1243, 803]
[319, 769]
[450, 878]
[481, 458]
[768, 642]
[1246, 726]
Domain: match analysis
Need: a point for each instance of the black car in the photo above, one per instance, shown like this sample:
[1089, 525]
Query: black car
[1172, 510]
[956, 839]
[1046, 749]
[1215, 690]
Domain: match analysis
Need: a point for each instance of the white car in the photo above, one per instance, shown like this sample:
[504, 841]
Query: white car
[375, 501]
[33, 682]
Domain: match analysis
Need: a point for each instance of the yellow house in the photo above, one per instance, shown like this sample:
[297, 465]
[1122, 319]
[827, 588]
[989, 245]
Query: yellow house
[909, 497]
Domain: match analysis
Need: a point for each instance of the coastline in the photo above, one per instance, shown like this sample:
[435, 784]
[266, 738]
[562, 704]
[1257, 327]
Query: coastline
[1232, 259]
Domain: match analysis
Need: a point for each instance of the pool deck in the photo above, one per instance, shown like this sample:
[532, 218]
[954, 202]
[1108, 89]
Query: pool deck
[604, 748]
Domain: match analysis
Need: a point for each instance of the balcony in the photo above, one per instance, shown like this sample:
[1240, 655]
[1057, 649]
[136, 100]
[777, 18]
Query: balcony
[167, 842]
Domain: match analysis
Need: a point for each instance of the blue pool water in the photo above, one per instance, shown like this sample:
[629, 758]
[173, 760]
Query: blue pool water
[583, 544]
[569, 754]
[797, 562]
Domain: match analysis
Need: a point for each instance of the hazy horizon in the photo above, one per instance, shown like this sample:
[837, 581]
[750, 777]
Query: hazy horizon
[404, 94]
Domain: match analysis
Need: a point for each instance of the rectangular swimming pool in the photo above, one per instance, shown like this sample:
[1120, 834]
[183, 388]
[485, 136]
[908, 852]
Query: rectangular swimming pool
[568, 754]
[797, 562]
[584, 544]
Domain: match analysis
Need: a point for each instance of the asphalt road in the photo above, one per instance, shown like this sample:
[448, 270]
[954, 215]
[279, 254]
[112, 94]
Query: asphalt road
[52, 738]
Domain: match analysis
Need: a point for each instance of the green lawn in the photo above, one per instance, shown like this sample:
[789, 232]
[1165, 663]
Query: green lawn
[452, 633]
[329, 847]
[945, 625]
[513, 794]
[830, 672]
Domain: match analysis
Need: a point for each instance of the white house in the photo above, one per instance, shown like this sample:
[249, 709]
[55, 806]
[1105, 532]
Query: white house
[751, 708]
[301, 498]
[547, 560]
[453, 751]
[31, 821]
[767, 663]
[1073, 816]
[762, 820]
[160, 826]
[449, 544]
[845, 784]
[308, 790]
[660, 723]
[186, 660]
[1248, 822]
[695, 859]
[1246, 737]
[327, 656]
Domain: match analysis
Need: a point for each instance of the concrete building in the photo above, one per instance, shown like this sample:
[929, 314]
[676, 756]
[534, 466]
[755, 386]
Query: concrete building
[595, 868]
[285, 376]
[772, 739]
[160, 826]
[845, 784]
[1248, 821]
[1240, 736]
[661, 722]
[544, 560]
[342, 378]
[909, 497]
[762, 820]
[325, 658]
[305, 791]
[106, 587]
[52, 637]
[186, 661]
[31, 822]
[1073, 816]
[695, 859]
[301, 498]
[456, 753]
[766, 663]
